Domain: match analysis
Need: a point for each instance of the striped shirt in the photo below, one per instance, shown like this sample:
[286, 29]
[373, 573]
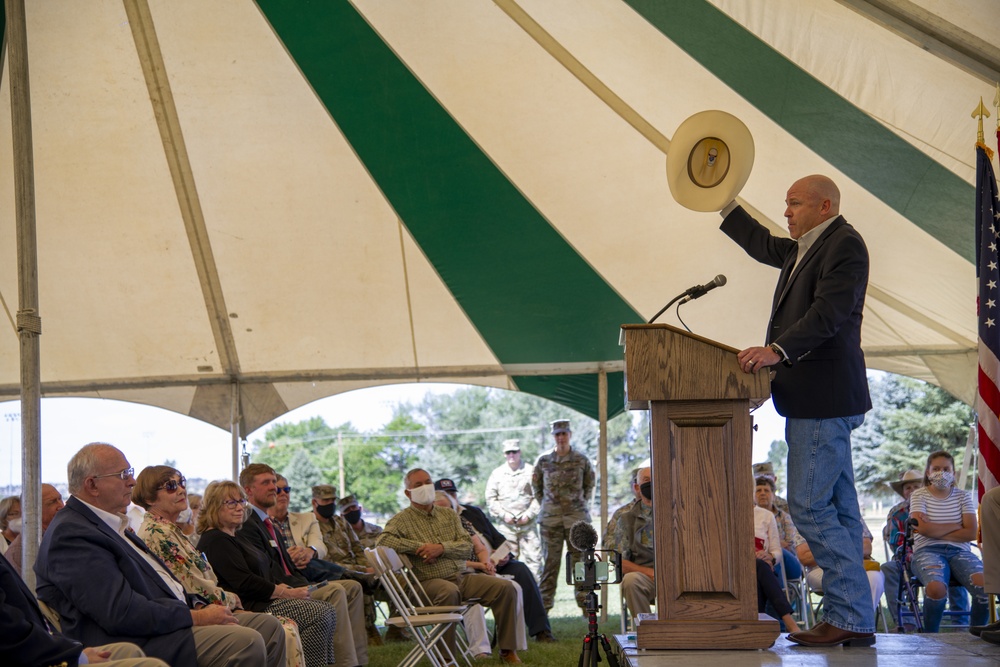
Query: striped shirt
[941, 510]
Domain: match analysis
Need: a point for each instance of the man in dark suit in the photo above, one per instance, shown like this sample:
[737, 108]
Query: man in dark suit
[535, 617]
[27, 639]
[350, 643]
[107, 587]
[814, 342]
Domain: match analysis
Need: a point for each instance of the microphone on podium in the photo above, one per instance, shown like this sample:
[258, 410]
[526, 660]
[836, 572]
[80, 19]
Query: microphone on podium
[695, 292]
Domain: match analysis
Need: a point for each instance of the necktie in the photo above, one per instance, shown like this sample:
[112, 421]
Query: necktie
[274, 537]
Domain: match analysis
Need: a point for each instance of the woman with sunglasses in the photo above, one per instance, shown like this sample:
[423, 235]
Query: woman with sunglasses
[242, 568]
[160, 490]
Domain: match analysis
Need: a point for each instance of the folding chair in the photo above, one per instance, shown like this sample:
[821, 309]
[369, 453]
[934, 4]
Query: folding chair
[428, 629]
[400, 564]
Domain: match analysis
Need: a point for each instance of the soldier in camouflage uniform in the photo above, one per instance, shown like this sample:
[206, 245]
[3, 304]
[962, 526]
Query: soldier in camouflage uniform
[351, 510]
[511, 500]
[344, 549]
[633, 539]
[563, 481]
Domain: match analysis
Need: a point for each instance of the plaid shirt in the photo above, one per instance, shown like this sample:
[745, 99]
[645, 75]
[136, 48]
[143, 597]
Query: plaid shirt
[897, 526]
[412, 528]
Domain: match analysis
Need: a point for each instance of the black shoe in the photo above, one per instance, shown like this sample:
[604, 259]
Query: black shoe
[992, 636]
[545, 637]
[978, 630]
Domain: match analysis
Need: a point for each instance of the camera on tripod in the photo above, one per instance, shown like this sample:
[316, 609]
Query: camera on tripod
[591, 570]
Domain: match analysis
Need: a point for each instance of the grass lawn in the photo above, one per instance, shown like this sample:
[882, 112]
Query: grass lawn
[568, 626]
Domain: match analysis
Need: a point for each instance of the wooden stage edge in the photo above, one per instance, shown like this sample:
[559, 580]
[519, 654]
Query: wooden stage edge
[708, 635]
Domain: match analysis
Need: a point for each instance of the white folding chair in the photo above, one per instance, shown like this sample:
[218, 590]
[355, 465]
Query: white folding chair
[428, 629]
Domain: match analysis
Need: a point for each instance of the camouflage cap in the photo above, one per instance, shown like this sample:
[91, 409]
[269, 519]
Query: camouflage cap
[324, 492]
[511, 446]
[561, 426]
[347, 502]
[766, 469]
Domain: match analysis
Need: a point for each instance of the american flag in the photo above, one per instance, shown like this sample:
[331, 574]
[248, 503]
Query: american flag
[987, 238]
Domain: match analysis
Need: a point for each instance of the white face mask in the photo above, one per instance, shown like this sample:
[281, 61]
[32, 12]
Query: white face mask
[185, 516]
[15, 525]
[942, 479]
[423, 495]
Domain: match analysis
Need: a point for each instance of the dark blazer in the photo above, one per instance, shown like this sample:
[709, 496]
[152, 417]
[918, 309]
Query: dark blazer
[240, 567]
[105, 592]
[815, 317]
[24, 635]
[254, 532]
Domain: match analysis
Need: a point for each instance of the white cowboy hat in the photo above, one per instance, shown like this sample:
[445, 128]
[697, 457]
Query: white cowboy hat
[905, 478]
[709, 161]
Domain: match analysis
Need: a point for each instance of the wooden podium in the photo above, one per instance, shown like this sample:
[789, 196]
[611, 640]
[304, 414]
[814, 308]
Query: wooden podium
[699, 401]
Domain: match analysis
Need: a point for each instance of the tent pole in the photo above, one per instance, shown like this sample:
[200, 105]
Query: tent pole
[29, 323]
[234, 430]
[602, 463]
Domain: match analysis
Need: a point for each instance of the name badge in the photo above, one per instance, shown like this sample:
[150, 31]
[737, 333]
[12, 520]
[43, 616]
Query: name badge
[274, 544]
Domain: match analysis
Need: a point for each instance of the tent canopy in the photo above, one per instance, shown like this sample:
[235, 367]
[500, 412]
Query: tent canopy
[242, 208]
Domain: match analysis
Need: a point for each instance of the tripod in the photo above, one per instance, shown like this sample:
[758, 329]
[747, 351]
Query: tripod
[590, 656]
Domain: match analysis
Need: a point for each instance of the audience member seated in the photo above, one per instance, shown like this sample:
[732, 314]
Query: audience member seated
[989, 510]
[608, 538]
[814, 574]
[438, 548]
[946, 524]
[632, 536]
[161, 491]
[894, 534]
[351, 510]
[535, 615]
[259, 481]
[27, 639]
[107, 587]
[188, 520]
[768, 554]
[10, 521]
[52, 502]
[787, 534]
[243, 569]
[475, 615]
[302, 537]
[766, 469]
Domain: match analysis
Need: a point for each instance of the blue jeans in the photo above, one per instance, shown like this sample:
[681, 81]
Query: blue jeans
[824, 506]
[943, 562]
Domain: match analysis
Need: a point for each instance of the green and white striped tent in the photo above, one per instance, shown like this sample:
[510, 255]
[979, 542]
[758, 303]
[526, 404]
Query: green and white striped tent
[245, 206]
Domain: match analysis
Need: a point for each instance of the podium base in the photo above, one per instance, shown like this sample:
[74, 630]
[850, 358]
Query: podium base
[707, 634]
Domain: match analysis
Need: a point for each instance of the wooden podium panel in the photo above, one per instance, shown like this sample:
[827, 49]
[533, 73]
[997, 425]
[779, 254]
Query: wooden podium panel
[701, 451]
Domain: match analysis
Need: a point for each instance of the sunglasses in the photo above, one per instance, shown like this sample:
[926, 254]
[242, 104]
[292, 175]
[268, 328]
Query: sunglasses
[284, 489]
[171, 485]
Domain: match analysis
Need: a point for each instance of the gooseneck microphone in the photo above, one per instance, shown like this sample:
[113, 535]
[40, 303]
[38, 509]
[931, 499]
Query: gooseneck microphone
[583, 536]
[691, 293]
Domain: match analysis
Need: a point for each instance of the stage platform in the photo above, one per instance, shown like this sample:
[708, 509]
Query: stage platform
[952, 649]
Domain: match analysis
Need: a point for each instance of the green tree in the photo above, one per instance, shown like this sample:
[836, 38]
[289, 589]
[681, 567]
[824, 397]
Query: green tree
[302, 474]
[909, 420]
[778, 456]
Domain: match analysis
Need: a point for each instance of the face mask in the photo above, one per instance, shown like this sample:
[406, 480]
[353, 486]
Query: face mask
[353, 516]
[14, 525]
[942, 479]
[325, 511]
[646, 489]
[185, 516]
[423, 495]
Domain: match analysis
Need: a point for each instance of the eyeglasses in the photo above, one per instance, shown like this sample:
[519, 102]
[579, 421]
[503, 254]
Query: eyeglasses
[124, 474]
[232, 504]
[171, 485]
[284, 489]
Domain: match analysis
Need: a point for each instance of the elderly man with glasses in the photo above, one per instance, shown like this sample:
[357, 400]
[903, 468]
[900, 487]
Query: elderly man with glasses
[107, 587]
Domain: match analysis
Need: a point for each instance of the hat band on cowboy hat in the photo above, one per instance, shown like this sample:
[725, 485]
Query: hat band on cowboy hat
[709, 161]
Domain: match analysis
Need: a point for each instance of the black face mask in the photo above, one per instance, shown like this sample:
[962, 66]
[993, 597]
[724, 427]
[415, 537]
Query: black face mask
[646, 489]
[353, 516]
[325, 511]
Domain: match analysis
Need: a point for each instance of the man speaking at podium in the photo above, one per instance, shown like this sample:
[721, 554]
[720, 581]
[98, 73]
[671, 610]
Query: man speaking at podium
[819, 386]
